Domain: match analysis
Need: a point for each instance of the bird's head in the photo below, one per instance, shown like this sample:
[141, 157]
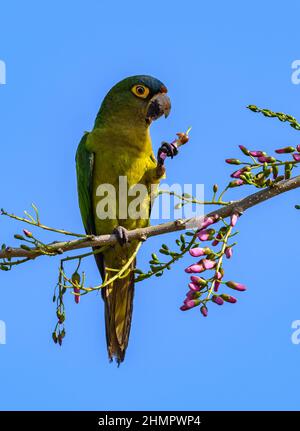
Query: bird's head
[136, 101]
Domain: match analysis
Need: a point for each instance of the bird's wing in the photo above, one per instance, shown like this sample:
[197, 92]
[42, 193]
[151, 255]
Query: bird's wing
[84, 169]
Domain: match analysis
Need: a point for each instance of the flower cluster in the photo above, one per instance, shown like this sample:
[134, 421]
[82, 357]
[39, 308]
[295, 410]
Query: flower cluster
[206, 289]
[263, 170]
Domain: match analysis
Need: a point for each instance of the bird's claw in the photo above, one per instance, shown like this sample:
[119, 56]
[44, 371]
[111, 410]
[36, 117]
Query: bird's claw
[166, 150]
[121, 234]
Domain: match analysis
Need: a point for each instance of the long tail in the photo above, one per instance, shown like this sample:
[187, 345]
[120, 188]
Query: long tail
[118, 299]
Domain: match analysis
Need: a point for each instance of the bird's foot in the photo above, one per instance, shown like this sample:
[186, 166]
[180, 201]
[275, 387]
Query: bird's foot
[166, 150]
[121, 234]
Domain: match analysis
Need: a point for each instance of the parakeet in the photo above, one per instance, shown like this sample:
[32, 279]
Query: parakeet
[119, 146]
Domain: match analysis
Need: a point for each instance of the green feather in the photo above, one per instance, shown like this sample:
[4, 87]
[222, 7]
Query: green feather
[84, 168]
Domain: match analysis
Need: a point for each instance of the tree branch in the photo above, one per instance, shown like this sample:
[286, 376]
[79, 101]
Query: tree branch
[143, 234]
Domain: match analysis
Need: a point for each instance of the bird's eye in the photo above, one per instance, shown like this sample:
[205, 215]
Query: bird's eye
[140, 91]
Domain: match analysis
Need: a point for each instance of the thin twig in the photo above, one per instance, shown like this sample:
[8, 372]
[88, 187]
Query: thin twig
[174, 226]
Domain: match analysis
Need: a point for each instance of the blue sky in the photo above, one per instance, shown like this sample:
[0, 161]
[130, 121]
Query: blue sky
[215, 58]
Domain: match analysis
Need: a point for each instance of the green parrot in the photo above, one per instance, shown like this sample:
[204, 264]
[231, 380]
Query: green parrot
[119, 146]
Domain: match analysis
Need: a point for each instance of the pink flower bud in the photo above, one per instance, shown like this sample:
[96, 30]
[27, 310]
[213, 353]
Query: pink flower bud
[298, 148]
[27, 233]
[285, 150]
[192, 294]
[195, 287]
[266, 159]
[196, 268]
[257, 153]
[207, 263]
[191, 303]
[244, 150]
[77, 297]
[234, 219]
[199, 281]
[236, 286]
[296, 157]
[229, 298]
[218, 275]
[184, 308]
[204, 234]
[237, 173]
[218, 300]
[196, 252]
[236, 183]
[228, 252]
[233, 161]
[204, 311]
[216, 286]
[216, 240]
[208, 221]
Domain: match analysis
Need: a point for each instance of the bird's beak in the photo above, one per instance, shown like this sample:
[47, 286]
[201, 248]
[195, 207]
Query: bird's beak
[159, 105]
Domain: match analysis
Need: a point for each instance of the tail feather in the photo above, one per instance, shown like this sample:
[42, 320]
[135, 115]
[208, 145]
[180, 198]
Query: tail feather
[118, 304]
[118, 299]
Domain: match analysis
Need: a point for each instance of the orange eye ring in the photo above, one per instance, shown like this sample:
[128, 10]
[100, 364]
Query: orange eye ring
[140, 91]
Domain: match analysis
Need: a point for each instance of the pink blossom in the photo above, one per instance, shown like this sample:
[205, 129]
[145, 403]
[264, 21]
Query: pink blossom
[192, 294]
[233, 161]
[27, 233]
[204, 310]
[229, 298]
[218, 300]
[199, 281]
[203, 235]
[266, 159]
[237, 173]
[218, 275]
[244, 150]
[184, 308]
[234, 219]
[207, 263]
[228, 252]
[192, 303]
[215, 241]
[298, 148]
[196, 252]
[236, 286]
[285, 150]
[256, 153]
[236, 183]
[195, 268]
[194, 286]
[296, 157]
[208, 221]
[216, 286]
[77, 297]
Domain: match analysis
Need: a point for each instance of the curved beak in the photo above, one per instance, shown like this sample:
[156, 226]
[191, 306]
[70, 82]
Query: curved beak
[159, 105]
